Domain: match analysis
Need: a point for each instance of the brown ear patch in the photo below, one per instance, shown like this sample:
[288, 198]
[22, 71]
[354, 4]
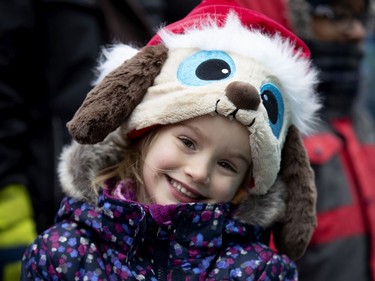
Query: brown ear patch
[108, 104]
[293, 235]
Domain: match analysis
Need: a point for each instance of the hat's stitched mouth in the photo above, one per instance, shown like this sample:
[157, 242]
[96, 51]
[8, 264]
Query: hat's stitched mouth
[233, 115]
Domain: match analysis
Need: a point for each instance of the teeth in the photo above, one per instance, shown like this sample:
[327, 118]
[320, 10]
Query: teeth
[183, 190]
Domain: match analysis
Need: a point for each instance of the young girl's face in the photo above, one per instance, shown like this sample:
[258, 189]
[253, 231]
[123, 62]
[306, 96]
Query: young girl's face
[204, 159]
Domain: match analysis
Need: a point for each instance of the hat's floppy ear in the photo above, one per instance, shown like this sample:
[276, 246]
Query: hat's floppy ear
[109, 103]
[292, 236]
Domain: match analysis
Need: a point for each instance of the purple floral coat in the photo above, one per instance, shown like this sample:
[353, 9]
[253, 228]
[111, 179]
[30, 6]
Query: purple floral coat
[118, 240]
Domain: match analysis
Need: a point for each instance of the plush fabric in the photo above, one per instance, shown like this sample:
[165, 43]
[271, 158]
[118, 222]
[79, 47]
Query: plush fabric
[103, 113]
[296, 231]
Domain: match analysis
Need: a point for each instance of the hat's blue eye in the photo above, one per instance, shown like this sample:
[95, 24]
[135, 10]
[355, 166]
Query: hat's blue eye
[274, 104]
[206, 67]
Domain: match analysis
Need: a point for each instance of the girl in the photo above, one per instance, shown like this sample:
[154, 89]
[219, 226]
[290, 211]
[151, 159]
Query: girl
[201, 157]
[139, 231]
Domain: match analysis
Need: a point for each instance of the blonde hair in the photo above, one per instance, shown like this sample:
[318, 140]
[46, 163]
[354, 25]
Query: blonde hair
[131, 166]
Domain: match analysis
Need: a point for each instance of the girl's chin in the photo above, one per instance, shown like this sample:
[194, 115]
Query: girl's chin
[171, 199]
[165, 201]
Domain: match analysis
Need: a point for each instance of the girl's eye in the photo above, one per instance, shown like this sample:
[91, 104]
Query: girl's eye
[227, 166]
[187, 142]
[205, 67]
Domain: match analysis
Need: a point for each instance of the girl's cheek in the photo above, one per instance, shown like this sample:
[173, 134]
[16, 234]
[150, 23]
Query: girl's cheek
[168, 150]
[227, 189]
[167, 157]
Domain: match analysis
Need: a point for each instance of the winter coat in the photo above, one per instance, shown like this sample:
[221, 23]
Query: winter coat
[105, 238]
[129, 241]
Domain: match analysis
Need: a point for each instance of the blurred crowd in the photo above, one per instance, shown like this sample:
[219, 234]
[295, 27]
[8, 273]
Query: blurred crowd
[48, 53]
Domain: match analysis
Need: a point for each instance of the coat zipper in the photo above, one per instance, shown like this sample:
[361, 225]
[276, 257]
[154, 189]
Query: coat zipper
[161, 259]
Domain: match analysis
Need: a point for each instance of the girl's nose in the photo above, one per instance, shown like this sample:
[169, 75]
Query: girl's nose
[199, 172]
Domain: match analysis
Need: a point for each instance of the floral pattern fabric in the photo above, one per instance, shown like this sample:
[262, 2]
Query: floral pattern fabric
[128, 241]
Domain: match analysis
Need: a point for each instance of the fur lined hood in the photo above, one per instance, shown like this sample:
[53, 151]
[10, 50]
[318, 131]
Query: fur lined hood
[80, 163]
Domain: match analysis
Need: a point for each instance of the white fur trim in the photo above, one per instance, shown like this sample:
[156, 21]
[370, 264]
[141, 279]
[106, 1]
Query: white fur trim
[111, 58]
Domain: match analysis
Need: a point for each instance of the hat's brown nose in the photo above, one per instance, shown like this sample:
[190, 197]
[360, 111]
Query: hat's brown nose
[243, 95]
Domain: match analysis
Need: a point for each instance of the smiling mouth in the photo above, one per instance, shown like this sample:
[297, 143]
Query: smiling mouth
[183, 191]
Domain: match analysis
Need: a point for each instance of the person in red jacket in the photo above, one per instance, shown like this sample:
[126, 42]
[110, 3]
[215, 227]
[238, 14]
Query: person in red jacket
[342, 152]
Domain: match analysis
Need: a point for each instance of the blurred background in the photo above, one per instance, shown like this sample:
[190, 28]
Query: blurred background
[48, 53]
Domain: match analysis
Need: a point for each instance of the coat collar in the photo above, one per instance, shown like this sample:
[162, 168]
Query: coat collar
[126, 226]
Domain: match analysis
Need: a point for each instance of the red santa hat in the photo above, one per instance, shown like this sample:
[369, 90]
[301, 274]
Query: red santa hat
[218, 10]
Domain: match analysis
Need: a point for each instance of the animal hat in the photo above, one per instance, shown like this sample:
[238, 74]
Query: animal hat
[227, 60]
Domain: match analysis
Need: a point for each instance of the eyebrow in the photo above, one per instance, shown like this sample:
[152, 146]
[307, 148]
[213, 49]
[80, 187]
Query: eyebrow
[234, 154]
[240, 156]
[193, 128]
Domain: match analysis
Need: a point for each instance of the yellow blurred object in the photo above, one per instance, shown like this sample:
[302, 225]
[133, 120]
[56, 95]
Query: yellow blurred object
[17, 229]
[12, 271]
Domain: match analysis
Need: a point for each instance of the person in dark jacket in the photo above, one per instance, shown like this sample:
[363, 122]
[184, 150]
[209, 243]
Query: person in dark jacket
[47, 52]
[342, 151]
[187, 154]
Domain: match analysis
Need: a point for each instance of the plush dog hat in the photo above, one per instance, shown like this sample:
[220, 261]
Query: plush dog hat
[228, 60]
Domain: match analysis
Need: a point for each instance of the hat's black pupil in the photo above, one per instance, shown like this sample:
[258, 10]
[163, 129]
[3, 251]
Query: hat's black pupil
[213, 69]
[270, 103]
